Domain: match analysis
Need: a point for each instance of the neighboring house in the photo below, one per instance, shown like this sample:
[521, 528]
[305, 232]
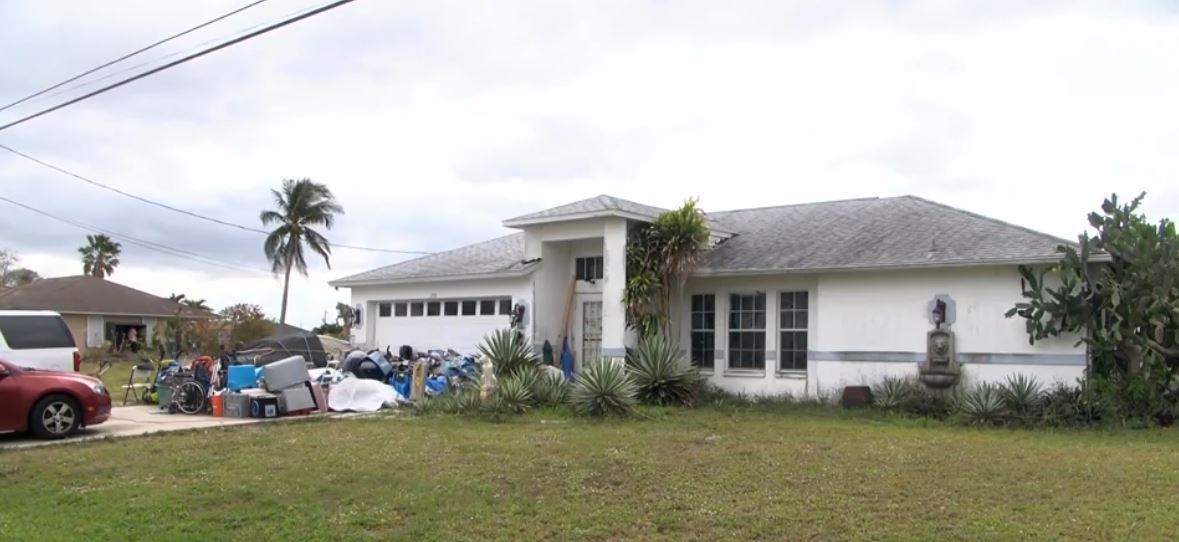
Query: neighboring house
[801, 298]
[97, 310]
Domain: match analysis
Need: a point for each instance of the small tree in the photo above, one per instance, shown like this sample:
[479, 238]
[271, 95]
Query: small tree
[1126, 309]
[11, 275]
[100, 256]
[246, 323]
[658, 257]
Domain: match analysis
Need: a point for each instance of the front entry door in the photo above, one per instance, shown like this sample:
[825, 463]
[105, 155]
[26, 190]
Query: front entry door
[591, 332]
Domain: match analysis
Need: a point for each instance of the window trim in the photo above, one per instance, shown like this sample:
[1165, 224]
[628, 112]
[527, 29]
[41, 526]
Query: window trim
[805, 330]
[583, 265]
[732, 329]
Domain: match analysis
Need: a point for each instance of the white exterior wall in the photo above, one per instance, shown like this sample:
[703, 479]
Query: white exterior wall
[866, 325]
[462, 333]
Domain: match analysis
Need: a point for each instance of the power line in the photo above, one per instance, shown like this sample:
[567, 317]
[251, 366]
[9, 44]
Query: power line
[179, 210]
[134, 67]
[179, 61]
[133, 53]
[149, 245]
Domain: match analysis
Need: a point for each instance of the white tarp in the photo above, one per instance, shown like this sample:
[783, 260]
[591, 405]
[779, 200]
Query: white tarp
[361, 395]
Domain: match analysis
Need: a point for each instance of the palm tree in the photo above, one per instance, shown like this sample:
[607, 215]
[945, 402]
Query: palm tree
[298, 206]
[100, 256]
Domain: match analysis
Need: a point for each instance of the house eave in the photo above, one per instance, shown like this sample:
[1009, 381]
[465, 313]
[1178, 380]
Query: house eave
[443, 278]
[525, 222]
[705, 273]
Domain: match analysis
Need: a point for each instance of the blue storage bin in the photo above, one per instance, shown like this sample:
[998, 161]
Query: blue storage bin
[242, 377]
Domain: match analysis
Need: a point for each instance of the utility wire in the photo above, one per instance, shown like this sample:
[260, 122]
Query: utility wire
[149, 245]
[179, 210]
[133, 53]
[179, 61]
[135, 67]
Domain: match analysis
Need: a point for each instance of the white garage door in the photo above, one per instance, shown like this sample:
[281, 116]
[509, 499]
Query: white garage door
[459, 324]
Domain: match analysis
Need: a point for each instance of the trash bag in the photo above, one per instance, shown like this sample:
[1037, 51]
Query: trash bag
[402, 383]
[360, 395]
[436, 385]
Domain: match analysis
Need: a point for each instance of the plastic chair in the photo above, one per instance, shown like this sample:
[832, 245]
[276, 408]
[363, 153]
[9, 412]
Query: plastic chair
[141, 371]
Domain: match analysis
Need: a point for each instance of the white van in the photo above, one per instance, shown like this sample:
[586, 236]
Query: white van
[38, 340]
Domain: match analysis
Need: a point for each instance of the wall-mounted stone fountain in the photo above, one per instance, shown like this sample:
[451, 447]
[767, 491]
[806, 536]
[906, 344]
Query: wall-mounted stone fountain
[940, 368]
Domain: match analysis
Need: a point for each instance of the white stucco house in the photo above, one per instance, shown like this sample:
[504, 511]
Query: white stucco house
[802, 299]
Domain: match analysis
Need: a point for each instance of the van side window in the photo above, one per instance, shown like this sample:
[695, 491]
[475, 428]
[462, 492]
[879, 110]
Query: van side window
[25, 332]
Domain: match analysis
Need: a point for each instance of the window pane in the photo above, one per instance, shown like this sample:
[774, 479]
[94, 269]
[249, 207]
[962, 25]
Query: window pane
[697, 320]
[760, 302]
[787, 301]
[384, 310]
[451, 308]
[800, 300]
[759, 320]
[24, 332]
[787, 341]
[400, 309]
[709, 302]
[709, 321]
[469, 308]
[505, 306]
[487, 307]
[415, 309]
[800, 359]
[787, 321]
[800, 319]
[800, 340]
[433, 308]
[697, 303]
[734, 302]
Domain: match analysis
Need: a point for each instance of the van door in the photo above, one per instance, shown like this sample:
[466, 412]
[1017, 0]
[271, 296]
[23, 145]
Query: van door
[40, 341]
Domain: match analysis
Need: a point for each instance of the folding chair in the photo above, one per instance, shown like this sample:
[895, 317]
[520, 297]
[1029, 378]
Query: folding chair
[142, 371]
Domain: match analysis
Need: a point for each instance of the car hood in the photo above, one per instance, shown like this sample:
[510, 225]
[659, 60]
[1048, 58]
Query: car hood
[61, 375]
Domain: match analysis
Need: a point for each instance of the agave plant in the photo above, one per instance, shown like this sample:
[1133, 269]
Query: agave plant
[509, 353]
[604, 388]
[892, 393]
[660, 374]
[982, 406]
[1022, 395]
[551, 390]
[514, 395]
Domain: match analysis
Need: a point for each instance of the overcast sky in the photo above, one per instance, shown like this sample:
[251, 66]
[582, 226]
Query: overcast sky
[433, 121]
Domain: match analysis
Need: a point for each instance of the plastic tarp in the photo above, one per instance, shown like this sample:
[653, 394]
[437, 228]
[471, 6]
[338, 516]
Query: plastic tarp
[361, 395]
[276, 348]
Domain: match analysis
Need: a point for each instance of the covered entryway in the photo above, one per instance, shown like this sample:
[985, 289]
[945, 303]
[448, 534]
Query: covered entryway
[587, 329]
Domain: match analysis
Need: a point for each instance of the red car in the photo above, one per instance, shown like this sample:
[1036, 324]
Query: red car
[50, 404]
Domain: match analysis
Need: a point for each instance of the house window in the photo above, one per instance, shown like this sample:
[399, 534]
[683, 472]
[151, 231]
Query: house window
[469, 308]
[400, 309]
[747, 331]
[384, 310]
[703, 330]
[487, 307]
[505, 306]
[415, 308]
[792, 325]
[590, 268]
[450, 308]
[433, 308]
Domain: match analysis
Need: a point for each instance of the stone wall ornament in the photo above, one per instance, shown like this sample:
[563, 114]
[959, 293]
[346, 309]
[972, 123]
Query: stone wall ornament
[940, 369]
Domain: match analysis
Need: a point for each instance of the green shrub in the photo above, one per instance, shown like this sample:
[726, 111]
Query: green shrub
[661, 375]
[509, 353]
[551, 390]
[603, 389]
[1022, 397]
[893, 392]
[514, 395]
[982, 406]
[932, 403]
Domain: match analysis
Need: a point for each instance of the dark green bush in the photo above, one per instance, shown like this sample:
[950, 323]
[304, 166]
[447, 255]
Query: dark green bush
[603, 388]
[661, 374]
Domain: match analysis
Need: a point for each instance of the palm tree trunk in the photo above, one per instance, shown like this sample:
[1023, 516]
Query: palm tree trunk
[286, 287]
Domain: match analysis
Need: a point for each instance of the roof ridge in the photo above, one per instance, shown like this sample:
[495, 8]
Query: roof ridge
[988, 218]
[824, 202]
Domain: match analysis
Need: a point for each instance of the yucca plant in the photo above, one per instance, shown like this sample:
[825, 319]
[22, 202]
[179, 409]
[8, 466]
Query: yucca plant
[1022, 396]
[892, 393]
[551, 390]
[509, 352]
[603, 388]
[982, 406]
[514, 395]
[661, 375]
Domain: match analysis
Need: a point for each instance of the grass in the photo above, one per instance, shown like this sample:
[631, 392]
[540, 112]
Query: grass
[708, 474]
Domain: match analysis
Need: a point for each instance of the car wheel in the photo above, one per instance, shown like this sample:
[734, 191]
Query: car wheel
[55, 417]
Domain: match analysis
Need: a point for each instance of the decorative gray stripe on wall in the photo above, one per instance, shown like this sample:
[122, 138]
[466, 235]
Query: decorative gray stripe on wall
[964, 357]
[613, 352]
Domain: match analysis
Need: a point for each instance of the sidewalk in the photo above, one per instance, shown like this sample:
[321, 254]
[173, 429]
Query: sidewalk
[129, 421]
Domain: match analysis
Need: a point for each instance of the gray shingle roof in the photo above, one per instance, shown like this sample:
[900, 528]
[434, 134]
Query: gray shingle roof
[904, 231]
[597, 206]
[499, 256]
[84, 294]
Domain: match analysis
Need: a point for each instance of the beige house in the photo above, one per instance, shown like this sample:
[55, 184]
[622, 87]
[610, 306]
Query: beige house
[97, 310]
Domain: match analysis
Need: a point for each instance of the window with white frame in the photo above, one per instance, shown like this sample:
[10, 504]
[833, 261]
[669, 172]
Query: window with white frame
[400, 309]
[792, 327]
[384, 310]
[703, 330]
[470, 307]
[590, 268]
[416, 308]
[747, 331]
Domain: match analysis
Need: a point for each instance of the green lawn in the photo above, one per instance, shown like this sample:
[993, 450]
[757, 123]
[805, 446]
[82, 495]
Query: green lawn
[705, 474]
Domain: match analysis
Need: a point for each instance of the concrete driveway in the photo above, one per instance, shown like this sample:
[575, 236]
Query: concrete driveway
[130, 421]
